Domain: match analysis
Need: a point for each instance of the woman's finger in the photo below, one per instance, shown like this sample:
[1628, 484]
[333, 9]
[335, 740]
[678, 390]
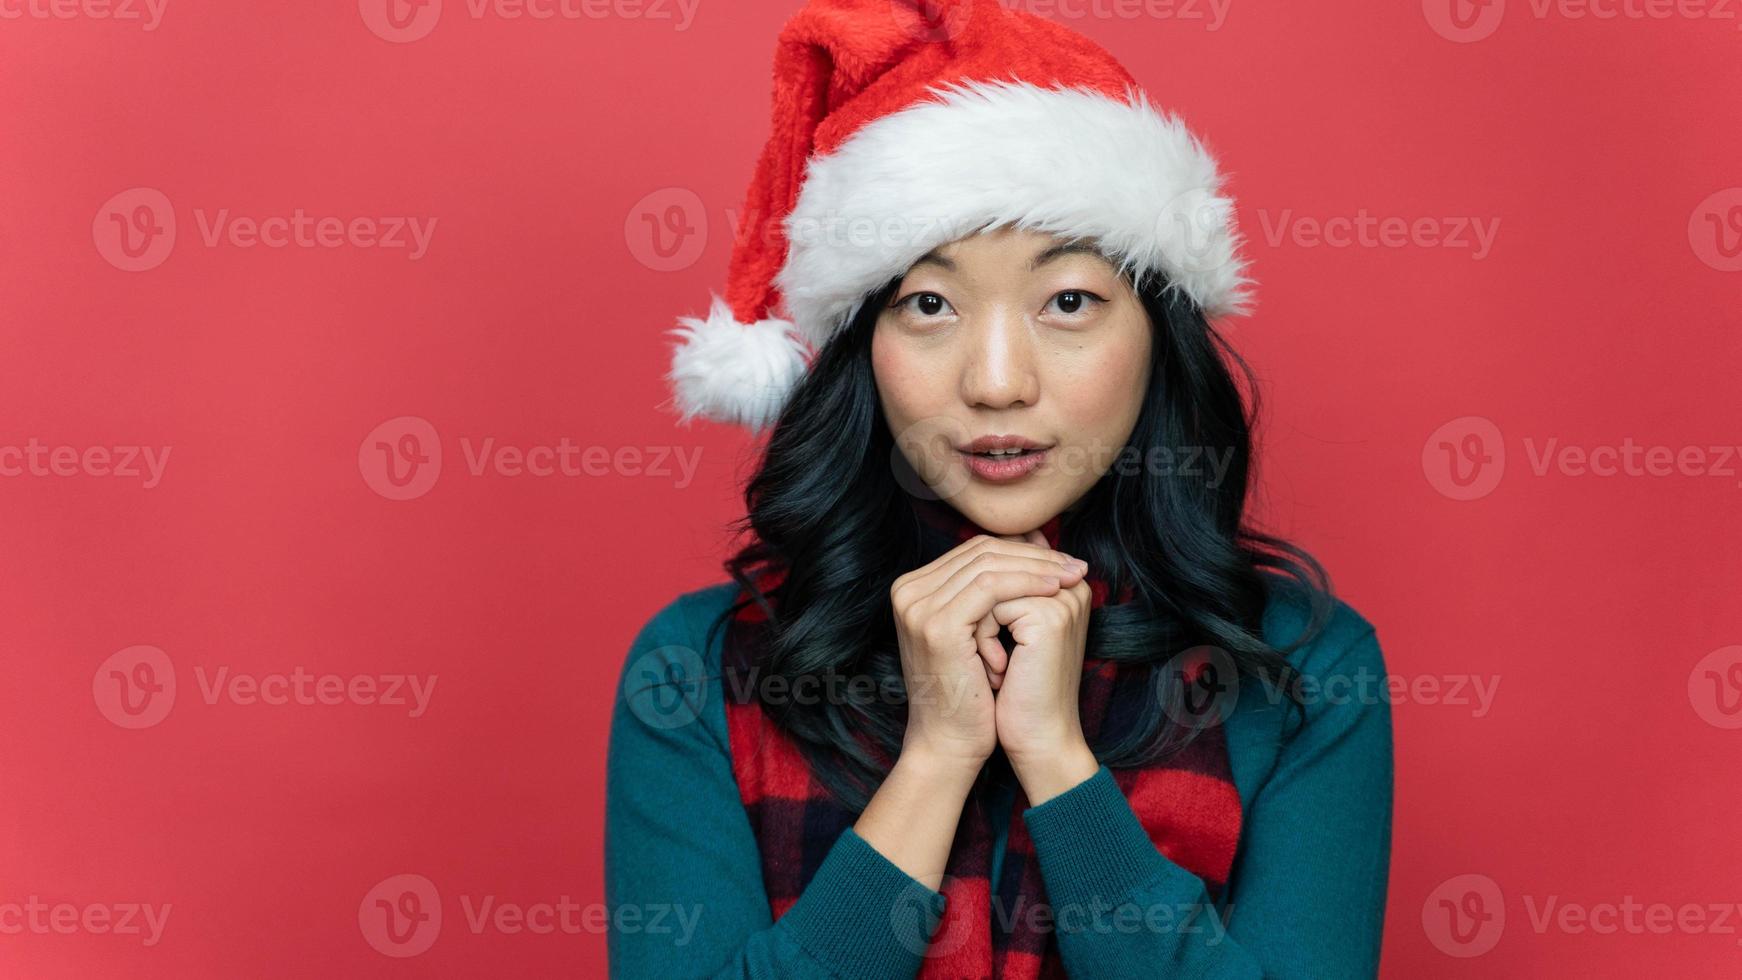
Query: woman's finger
[931, 577]
[991, 649]
[1068, 575]
[987, 588]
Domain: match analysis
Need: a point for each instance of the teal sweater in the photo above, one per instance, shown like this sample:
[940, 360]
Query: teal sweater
[1306, 897]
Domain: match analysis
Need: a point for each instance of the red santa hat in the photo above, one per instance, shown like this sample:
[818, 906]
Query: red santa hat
[901, 125]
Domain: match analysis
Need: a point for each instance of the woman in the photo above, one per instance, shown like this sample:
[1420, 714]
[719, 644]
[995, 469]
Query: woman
[1003, 684]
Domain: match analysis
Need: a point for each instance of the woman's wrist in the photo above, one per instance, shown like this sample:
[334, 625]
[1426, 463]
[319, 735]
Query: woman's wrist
[911, 819]
[947, 770]
[1047, 773]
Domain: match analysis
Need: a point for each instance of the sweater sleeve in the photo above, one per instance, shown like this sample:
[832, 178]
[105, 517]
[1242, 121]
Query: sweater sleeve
[683, 874]
[1307, 892]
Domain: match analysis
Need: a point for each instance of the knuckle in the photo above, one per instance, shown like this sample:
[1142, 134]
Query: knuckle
[916, 611]
[931, 631]
[907, 589]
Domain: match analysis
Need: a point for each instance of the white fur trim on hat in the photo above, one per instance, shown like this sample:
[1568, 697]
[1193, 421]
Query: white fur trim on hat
[732, 372]
[1073, 162]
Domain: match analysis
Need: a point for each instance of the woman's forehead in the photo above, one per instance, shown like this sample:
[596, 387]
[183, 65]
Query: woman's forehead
[1010, 244]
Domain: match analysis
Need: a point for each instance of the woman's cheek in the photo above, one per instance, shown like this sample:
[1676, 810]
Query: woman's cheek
[1098, 406]
[901, 383]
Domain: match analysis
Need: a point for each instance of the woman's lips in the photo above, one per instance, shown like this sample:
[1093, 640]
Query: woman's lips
[1004, 469]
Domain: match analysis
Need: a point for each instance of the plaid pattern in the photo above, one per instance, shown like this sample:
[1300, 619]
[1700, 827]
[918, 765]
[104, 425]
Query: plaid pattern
[1187, 803]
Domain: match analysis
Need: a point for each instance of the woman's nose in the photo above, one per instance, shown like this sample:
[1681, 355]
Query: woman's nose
[998, 364]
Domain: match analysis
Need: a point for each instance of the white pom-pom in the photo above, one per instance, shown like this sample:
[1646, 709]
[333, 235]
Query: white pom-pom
[733, 372]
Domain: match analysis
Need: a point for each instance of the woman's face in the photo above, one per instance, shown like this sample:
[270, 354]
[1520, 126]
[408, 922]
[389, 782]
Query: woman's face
[1012, 333]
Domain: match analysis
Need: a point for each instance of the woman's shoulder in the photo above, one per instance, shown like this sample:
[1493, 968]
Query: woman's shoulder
[1341, 688]
[671, 690]
[690, 614]
[1344, 640]
[680, 632]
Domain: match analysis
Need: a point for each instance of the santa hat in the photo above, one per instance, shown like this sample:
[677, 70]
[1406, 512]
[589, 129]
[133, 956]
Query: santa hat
[901, 125]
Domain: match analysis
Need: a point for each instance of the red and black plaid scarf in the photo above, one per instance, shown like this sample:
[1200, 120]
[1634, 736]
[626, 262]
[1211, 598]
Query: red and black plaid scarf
[1187, 802]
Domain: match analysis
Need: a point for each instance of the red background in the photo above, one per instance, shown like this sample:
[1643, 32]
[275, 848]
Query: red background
[1605, 310]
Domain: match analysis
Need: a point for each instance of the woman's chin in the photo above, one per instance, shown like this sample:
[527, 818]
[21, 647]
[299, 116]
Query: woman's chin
[1013, 518]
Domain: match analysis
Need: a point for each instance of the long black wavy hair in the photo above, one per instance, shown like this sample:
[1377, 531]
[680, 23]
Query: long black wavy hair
[827, 507]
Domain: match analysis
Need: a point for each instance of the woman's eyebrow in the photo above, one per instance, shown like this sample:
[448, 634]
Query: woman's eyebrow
[933, 258]
[1047, 255]
[1065, 248]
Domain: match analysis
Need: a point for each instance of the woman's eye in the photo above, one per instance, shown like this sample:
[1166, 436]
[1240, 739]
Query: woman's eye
[926, 304]
[1073, 301]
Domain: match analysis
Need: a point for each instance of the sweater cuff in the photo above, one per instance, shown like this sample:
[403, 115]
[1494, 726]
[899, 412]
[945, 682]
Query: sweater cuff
[861, 916]
[1092, 848]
